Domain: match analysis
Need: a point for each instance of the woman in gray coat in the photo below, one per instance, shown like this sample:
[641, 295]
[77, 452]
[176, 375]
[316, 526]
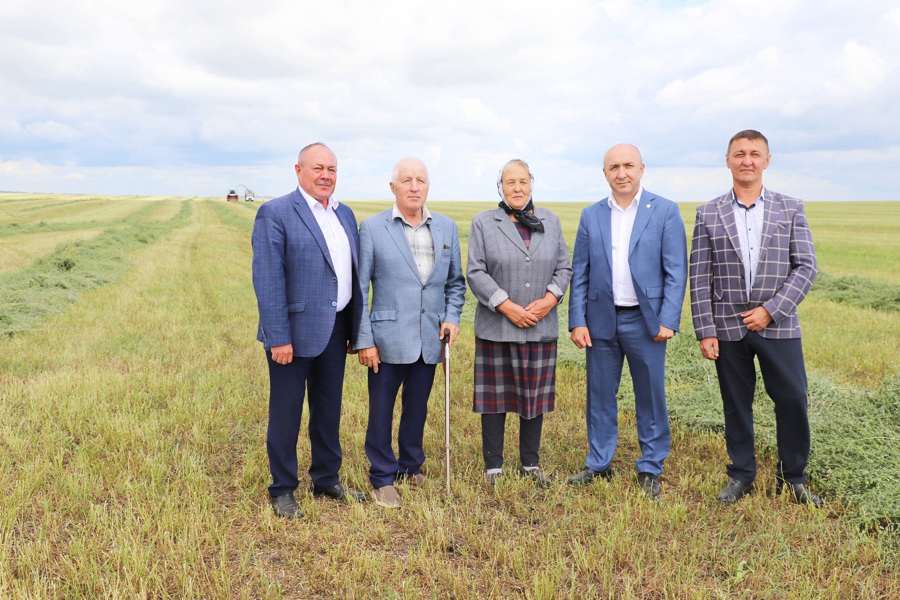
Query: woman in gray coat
[518, 269]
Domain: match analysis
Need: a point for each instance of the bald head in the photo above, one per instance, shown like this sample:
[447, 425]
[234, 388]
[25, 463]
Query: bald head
[623, 168]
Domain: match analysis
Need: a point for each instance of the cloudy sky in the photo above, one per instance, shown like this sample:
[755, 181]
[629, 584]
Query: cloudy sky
[191, 97]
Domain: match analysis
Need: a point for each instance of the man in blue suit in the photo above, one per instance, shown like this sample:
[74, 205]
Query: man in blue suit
[305, 247]
[411, 258]
[630, 272]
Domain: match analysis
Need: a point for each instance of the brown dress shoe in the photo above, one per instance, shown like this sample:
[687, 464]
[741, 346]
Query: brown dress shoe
[415, 480]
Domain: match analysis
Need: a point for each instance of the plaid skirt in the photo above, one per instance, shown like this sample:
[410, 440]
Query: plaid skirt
[515, 378]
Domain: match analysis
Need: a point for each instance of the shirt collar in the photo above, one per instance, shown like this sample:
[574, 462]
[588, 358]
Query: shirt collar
[396, 214]
[612, 200]
[760, 200]
[332, 203]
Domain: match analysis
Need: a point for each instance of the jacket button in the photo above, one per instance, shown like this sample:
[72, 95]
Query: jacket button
[334, 303]
[528, 285]
[423, 311]
[527, 259]
[334, 279]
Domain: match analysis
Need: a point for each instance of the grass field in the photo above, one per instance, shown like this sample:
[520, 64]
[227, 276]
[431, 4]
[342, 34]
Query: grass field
[133, 403]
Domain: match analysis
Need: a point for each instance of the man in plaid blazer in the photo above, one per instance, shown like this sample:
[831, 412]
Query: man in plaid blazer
[752, 262]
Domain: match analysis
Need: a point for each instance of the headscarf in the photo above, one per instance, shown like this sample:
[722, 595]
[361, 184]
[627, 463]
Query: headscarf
[524, 215]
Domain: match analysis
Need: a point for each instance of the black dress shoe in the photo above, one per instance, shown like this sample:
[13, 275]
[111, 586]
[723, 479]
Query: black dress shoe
[733, 491]
[286, 506]
[587, 475]
[649, 484]
[799, 493]
[338, 491]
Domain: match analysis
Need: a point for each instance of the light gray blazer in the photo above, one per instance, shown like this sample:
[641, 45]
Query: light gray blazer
[404, 322]
[500, 267]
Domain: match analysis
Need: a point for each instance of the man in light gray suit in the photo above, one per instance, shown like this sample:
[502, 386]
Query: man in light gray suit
[752, 263]
[411, 258]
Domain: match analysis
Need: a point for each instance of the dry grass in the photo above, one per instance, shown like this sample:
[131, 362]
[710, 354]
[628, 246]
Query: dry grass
[132, 454]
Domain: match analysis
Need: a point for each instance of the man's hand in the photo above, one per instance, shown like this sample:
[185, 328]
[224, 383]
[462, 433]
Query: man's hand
[368, 357]
[283, 355]
[350, 348]
[581, 337]
[664, 334]
[540, 308]
[454, 331]
[709, 348]
[757, 319]
[517, 315]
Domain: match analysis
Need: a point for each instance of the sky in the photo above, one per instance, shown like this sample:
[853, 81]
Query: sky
[193, 97]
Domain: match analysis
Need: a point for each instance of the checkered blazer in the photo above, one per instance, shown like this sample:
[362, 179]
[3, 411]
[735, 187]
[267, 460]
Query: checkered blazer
[786, 270]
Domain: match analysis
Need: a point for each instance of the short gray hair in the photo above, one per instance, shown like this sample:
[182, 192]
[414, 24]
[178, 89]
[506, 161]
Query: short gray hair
[395, 172]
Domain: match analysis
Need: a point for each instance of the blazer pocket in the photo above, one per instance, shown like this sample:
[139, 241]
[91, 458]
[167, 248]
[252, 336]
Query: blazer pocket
[655, 292]
[593, 295]
[295, 307]
[384, 315]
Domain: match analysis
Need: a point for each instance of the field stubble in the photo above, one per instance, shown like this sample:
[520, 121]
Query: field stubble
[133, 454]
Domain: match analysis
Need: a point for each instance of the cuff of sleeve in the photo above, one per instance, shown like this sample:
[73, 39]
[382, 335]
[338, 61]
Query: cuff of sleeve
[554, 289]
[499, 297]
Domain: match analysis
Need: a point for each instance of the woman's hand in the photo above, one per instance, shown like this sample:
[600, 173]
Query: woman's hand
[517, 315]
[540, 308]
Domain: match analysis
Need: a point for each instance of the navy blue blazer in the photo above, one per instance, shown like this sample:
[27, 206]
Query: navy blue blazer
[294, 278]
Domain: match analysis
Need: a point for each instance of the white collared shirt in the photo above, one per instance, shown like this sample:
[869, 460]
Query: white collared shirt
[622, 223]
[338, 245]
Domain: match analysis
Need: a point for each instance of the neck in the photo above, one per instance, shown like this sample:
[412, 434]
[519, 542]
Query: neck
[413, 218]
[748, 194]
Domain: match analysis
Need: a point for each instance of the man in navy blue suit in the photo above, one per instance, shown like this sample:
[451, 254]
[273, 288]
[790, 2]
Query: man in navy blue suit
[305, 247]
[629, 275]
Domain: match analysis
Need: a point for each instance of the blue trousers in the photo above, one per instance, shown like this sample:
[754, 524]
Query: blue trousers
[784, 376]
[323, 377]
[417, 379]
[647, 363]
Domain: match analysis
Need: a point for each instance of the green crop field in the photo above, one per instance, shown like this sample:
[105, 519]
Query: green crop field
[133, 406]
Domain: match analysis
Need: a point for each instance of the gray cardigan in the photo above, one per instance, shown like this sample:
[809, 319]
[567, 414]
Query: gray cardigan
[500, 267]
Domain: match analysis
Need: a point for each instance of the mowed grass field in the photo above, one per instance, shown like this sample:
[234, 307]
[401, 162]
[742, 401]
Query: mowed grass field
[133, 406]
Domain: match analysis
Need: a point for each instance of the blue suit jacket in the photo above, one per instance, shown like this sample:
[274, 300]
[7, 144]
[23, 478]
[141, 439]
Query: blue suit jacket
[294, 278]
[657, 257]
[406, 314]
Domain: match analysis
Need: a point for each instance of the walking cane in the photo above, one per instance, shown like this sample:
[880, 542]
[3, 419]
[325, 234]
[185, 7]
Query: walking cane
[447, 403]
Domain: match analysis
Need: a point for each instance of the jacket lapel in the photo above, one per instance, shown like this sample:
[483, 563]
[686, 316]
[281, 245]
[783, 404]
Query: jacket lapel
[726, 216]
[509, 229]
[309, 220]
[644, 211]
[604, 225]
[771, 209]
[395, 229]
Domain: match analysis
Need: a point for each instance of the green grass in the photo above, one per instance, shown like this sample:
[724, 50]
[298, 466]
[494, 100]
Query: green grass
[132, 429]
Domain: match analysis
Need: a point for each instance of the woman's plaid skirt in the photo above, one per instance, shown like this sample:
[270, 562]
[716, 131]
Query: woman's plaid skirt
[515, 378]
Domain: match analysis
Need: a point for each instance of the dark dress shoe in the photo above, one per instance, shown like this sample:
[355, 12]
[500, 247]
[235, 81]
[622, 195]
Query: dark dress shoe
[286, 506]
[338, 491]
[649, 484]
[799, 493]
[733, 491]
[587, 475]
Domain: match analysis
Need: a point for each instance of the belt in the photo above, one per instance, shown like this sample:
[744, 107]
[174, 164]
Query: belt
[625, 308]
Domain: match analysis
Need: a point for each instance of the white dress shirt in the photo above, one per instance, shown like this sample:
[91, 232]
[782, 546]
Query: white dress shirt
[622, 223]
[338, 245]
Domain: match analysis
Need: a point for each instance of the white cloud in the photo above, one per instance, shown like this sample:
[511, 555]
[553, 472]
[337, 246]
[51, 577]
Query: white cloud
[126, 96]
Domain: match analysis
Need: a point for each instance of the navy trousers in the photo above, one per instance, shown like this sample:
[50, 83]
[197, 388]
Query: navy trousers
[647, 364]
[322, 377]
[417, 379]
[784, 376]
